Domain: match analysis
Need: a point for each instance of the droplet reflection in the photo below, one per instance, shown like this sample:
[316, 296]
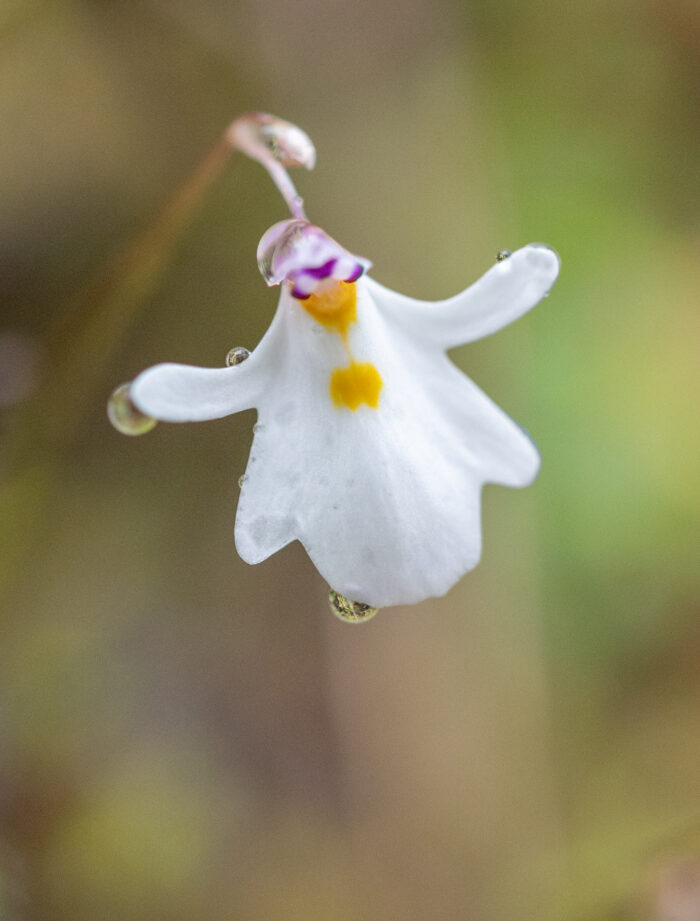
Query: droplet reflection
[236, 356]
[124, 416]
[351, 612]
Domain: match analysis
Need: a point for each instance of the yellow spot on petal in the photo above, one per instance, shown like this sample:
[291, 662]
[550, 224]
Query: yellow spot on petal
[359, 383]
[335, 308]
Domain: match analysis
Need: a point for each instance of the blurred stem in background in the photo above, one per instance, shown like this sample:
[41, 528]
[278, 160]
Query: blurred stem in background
[79, 343]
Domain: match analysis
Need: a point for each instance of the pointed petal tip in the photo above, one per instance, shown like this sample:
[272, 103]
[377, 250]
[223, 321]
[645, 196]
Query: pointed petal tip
[310, 161]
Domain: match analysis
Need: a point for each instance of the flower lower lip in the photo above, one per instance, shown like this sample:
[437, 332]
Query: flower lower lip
[365, 492]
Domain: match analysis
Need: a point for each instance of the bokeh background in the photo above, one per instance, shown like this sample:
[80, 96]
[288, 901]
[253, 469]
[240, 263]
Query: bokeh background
[186, 737]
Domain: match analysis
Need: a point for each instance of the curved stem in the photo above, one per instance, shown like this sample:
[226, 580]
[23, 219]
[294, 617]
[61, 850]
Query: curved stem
[275, 144]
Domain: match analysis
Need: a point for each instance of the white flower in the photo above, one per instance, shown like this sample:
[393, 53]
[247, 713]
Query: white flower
[371, 447]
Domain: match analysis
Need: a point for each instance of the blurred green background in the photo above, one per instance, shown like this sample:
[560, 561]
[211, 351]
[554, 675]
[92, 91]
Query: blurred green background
[186, 737]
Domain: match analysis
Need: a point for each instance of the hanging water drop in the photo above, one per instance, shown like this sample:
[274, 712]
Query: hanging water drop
[124, 416]
[241, 480]
[236, 356]
[503, 254]
[351, 612]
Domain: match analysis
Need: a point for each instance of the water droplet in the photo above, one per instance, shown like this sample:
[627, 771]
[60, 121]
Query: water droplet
[503, 254]
[236, 356]
[241, 480]
[124, 416]
[351, 612]
[258, 427]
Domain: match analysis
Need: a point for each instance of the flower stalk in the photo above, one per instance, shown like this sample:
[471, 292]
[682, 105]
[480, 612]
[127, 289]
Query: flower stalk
[275, 144]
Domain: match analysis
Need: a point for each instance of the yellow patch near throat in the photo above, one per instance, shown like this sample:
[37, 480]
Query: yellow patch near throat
[336, 309]
[359, 383]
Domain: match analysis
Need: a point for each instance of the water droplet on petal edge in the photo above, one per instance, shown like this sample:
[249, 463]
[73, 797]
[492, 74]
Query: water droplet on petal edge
[503, 254]
[350, 612]
[124, 416]
[236, 355]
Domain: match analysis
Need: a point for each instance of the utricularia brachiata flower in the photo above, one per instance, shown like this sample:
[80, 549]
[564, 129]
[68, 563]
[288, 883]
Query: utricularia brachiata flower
[371, 447]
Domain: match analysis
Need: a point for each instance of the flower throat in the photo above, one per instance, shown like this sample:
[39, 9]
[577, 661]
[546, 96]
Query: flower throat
[359, 383]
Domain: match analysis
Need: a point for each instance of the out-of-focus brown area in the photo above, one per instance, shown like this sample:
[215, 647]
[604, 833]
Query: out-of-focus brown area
[186, 737]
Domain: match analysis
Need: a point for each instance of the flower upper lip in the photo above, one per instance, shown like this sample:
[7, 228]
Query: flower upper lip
[302, 253]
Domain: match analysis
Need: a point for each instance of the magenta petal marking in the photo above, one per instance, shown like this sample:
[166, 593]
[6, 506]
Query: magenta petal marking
[357, 271]
[321, 271]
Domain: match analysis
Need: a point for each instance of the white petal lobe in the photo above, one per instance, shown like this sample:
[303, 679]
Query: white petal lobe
[180, 393]
[507, 291]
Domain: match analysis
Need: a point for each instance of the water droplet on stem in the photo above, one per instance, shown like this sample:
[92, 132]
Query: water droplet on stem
[351, 612]
[124, 416]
